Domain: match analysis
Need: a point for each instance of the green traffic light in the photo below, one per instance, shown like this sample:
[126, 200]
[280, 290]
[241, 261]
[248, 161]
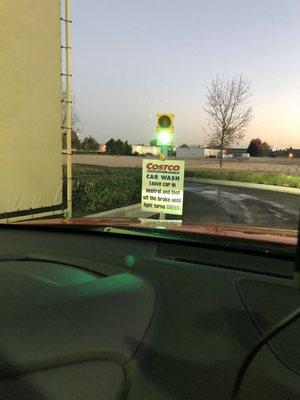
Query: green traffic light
[164, 138]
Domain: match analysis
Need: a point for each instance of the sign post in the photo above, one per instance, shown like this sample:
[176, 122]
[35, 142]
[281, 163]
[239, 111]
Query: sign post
[162, 187]
[163, 157]
[163, 179]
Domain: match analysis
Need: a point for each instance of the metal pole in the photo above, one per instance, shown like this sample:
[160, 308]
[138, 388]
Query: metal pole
[164, 151]
[163, 156]
[68, 105]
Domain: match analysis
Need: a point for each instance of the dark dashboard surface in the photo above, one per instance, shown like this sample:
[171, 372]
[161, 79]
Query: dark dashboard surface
[87, 316]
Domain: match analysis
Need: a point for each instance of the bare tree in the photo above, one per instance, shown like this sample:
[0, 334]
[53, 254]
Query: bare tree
[75, 116]
[75, 123]
[228, 111]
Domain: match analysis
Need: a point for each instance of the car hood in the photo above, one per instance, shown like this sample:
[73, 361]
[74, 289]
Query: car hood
[288, 237]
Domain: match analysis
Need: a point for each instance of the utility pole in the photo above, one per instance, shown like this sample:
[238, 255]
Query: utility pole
[68, 124]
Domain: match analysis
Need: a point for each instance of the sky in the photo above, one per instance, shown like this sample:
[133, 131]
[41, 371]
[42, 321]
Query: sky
[133, 59]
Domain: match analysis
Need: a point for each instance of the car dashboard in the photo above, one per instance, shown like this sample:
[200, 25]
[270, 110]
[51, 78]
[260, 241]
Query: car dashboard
[89, 315]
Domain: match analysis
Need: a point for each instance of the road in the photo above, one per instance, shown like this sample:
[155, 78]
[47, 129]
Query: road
[215, 203]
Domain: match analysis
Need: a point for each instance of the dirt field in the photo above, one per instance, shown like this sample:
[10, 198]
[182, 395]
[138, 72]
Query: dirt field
[271, 165]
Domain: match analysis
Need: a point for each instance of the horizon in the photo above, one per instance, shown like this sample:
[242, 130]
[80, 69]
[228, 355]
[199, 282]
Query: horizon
[273, 148]
[133, 60]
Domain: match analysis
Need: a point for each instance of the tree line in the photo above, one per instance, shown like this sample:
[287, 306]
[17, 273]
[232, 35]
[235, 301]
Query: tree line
[90, 144]
[257, 148]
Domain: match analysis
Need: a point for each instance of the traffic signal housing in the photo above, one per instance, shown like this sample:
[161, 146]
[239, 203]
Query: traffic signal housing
[165, 129]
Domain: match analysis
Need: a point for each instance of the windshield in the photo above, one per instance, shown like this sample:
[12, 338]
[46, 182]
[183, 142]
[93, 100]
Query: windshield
[182, 115]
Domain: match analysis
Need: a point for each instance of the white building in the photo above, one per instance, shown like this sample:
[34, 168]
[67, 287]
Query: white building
[102, 148]
[196, 152]
[212, 153]
[190, 152]
[142, 149]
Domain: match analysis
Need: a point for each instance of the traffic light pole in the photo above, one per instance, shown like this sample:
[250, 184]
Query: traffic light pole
[164, 151]
[164, 137]
[163, 157]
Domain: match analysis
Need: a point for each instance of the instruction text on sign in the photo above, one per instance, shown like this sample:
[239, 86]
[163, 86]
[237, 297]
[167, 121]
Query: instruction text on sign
[162, 186]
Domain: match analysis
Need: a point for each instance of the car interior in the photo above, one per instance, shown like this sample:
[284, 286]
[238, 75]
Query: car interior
[87, 314]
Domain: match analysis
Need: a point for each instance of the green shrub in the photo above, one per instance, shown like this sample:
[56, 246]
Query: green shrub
[251, 177]
[99, 194]
[97, 189]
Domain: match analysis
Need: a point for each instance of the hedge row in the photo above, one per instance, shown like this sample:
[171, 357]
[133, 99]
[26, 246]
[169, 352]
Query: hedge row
[250, 177]
[98, 189]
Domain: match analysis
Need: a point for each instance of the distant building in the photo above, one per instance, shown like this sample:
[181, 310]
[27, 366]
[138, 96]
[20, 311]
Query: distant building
[212, 153]
[102, 148]
[190, 152]
[295, 153]
[197, 152]
[237, 152]
[137, 148]
[144, 150]
[284, 153]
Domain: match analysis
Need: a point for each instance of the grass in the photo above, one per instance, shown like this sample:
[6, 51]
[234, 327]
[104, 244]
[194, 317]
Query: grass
[97, 188]
[82, 170]
[250, 177]
[97, 171]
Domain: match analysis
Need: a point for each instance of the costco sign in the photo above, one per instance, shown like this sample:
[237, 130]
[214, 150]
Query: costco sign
[162, 186]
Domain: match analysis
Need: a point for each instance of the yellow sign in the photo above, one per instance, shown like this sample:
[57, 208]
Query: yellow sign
[162, 186]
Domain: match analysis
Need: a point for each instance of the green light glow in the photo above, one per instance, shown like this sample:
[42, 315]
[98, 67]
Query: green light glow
[164, 138]
[129, 261]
